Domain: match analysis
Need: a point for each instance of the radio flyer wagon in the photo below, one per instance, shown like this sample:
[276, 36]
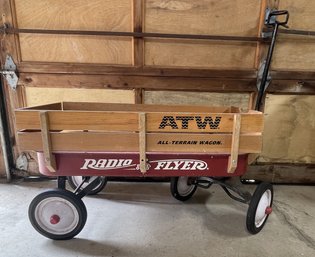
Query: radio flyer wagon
[195, 146]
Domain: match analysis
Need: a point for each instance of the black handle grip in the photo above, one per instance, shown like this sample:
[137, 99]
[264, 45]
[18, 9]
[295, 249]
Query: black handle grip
[279, 13]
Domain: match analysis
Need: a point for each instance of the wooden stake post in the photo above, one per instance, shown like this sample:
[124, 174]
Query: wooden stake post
[232, 165]
[142, 142]
[46, 140]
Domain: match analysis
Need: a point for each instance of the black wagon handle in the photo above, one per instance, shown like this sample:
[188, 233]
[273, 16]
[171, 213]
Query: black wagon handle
[275, 24]
[279, 13]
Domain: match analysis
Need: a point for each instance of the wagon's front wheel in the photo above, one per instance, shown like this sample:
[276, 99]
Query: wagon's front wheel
[57, 214]
[75, 181]
[183, 188]
[259, 208]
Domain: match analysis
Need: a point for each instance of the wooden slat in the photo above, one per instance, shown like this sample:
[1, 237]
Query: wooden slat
[224, 17]
[251, 123]
[138, 43]
[199, 54]
[83, 106]
[39, 96]
[232, 164]
[142, 143]
[50, 160]
[128, 121]
[298, 9]
[103, 15]
[137, 82]
[74, 14]
[239, 100]
[69, 49]
[129, 142]
[139, 92]
[96, 69]
[294, 54]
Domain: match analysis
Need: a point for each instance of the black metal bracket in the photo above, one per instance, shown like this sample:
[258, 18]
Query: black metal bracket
[61, 182]
[242, 195]
[273, 19]
[92, 184]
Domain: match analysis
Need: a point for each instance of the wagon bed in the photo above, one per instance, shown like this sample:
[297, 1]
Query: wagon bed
[139, 140]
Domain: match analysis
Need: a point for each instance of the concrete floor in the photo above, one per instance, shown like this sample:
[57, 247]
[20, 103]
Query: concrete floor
[142, 219]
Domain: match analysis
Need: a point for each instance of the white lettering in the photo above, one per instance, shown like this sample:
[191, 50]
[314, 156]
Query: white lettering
[186, 165]
[101, 163]
[177, 164]
[160, 165]
[88, 163]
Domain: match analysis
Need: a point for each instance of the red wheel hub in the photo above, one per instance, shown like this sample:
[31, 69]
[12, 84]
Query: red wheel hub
[268, 210]
[54, 219]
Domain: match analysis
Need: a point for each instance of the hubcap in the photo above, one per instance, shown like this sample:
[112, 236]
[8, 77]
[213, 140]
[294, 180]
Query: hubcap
[183, 187]
[263, 208]
[54, 219]
[56, 215]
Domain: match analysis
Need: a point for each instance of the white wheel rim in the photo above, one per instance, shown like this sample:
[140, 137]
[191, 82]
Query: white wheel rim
[77, 180]
[65, 210]
[264, 202]
[182, 186]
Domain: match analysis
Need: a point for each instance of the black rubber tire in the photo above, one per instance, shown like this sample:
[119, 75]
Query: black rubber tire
[65, 195]
[103, 181]
[251, 212]
[178, 195]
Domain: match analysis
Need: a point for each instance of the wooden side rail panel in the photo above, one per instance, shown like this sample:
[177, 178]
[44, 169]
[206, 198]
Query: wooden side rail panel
[174, 122]
[110, 107]
[129, 142]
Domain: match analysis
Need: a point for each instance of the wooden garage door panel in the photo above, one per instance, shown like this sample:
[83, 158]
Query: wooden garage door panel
[224, 17]
[294, 54]
[301, 13]
[289, 134]
[240, 100]
[40, 96]
[75, 14]
[79, 49]
[199, 54]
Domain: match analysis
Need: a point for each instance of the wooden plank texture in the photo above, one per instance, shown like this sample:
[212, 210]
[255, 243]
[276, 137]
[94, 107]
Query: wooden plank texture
[142, 143]
[201, 17]
[74, 14]
[50, 160]
[195, 98]
[87, 106]
[232, 164]
[129, 142]
[293, 53]
[301, 13]
[180, 82]
[199, 54]
[41, 96]
[78, 49]
[128, 121]
[224, 17]
[289, 134]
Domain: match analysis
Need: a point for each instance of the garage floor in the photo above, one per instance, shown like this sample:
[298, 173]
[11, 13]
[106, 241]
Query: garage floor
[142, 219]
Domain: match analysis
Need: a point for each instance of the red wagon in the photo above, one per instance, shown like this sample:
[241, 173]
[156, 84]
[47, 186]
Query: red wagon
[87, 142]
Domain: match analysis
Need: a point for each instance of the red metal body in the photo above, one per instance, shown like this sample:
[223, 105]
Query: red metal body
[127, 165]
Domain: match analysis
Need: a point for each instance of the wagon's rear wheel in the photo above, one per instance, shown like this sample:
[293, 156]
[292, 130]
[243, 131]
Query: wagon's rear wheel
[75, 181]
[259, 208]
[57, 214]
[183, 188]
